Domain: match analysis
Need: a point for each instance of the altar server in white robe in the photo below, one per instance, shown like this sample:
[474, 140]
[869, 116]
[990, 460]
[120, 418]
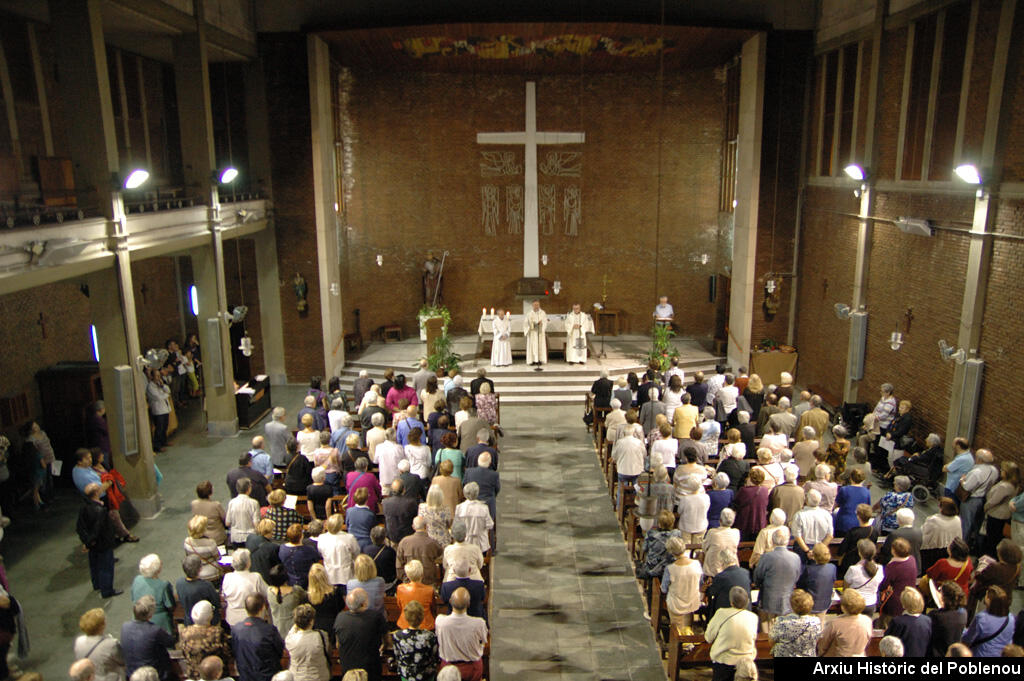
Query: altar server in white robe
[577, 325]
[535, 325]
[501, 347]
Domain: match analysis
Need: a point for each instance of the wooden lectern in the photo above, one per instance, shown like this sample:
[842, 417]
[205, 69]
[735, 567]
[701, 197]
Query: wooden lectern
[434, 327]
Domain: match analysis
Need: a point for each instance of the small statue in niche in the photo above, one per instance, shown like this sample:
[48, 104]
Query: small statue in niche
[301, 289]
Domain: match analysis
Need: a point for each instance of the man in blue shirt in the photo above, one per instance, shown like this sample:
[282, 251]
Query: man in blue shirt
[256, 643]
[963, 461]
[83, 475]
[408, 423]
[261, 459]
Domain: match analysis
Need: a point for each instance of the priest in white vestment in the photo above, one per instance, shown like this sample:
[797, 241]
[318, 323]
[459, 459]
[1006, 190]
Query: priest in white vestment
[501, 347]
[535, 325]
[577, 325]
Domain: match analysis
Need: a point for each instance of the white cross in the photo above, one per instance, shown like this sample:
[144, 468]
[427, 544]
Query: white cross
[530, 138]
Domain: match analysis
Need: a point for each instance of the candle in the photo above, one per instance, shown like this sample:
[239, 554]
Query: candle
[483, 312]
[492, 311]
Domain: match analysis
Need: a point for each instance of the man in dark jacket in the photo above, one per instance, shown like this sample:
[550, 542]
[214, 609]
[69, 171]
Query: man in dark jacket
[487, 478]
[144, 644]
[399, 510]
[360, 634]
[256, 643]
[96, 531]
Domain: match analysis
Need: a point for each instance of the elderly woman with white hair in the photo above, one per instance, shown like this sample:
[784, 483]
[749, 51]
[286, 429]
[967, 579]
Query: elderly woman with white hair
[693, 510]
[822, 481]
[203, 638]
[776, 519]
[477, 517]
[721, 497]
[710, 432]
[239, 584]
[895, 499]
[725, 536]
[680, 582]
[733, 464]
[148, 583]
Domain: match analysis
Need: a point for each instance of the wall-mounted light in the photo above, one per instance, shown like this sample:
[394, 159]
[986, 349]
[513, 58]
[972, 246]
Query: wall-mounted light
[968, 172]
[896, 340]
[193, 298]
[335, 289]
[842, 310]
[380, 260]
[556, 286]
[134, 179]
[544, 259]
[225, 175]
[855, 172]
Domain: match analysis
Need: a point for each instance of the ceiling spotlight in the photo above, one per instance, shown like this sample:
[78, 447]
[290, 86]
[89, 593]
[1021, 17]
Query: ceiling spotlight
[842, 310]
[136, 178]
[855, 172]
[968, 172]
[227, 174]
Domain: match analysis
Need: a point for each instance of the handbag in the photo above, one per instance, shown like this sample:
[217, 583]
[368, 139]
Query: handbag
[961, 493]
[1007, 530]
[884, 597]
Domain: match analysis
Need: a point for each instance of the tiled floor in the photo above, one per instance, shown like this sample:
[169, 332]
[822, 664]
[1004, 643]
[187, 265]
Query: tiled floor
[565, 604]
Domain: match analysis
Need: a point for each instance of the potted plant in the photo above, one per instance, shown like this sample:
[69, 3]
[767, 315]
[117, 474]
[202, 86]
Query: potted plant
[443, 358]
[662, 351]
[429, 312]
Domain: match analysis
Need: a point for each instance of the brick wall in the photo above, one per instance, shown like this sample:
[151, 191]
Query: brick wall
[287, 81]
[828, 245]
[66, 320]
[887, 121]
[418, 187]
[922, 273]
[157, 308]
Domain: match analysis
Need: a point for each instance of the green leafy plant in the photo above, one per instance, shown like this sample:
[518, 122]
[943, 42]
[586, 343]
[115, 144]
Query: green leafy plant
[662, 351]
[444, 356]
[429, 311]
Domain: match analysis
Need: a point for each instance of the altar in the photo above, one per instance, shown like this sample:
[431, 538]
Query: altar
[555, 333]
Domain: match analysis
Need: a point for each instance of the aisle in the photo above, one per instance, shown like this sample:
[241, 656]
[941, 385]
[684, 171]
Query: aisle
[565, 602]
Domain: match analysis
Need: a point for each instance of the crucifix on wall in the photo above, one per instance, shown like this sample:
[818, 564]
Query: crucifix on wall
[530, 138]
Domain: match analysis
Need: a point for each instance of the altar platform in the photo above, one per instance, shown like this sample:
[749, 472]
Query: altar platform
[519, 384]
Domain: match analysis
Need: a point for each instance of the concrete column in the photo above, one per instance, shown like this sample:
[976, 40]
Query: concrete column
[192, 83]
[44, 101]
[964, 398]
[82, 63]
[267, 274]
[748, 182]
[7, 91]
[112, 303]
[325, 198]
[855, 349]
[218, 372]
[269, 290]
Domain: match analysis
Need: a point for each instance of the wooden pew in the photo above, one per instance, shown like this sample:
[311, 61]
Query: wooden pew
[700, 653]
